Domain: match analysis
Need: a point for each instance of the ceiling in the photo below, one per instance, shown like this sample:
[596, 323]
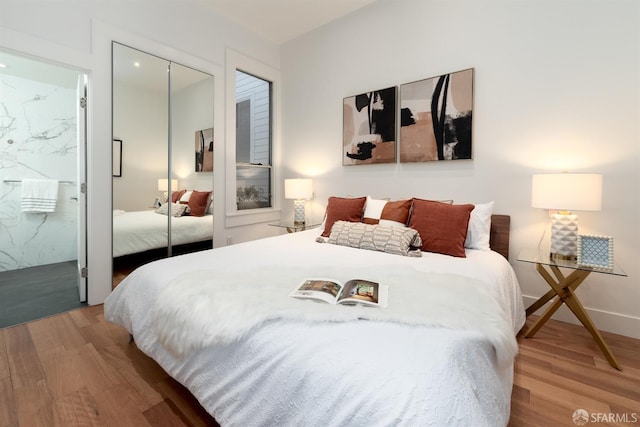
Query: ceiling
[276, 20]
[282, 20]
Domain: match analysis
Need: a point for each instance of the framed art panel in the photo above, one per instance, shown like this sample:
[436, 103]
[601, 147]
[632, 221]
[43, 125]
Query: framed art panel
[117, 157]
[595, 251]
[369, 127]
[204, 150]
[436, 118]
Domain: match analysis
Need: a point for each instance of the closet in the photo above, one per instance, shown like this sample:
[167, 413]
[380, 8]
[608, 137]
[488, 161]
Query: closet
[162, 149]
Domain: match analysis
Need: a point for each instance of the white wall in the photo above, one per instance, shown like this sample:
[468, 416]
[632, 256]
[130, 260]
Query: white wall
[556, 88]
[140, 121]
[79, 33]
[191, 111]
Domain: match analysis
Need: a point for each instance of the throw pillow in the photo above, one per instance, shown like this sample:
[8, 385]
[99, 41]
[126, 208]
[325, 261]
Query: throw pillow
[176, 209]
[175, 196]
[198, 202]
[382, 238]
[343, 209]
[442, 227]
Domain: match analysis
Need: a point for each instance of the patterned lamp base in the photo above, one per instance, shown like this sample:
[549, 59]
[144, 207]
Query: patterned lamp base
[564, 236]
[298, 212]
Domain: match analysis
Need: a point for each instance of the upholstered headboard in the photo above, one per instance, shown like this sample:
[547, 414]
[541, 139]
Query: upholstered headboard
[499, 234]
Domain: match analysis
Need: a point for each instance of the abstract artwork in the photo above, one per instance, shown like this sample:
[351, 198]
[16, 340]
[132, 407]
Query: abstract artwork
[204, 150]
[369, 128]
[435, 118]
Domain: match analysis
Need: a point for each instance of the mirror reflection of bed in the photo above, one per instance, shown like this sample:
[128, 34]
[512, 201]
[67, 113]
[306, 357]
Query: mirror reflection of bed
[162, 191]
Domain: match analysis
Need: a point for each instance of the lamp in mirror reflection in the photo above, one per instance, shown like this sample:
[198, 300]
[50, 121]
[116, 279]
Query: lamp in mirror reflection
[299, 190]
[566, 192]
[163, 185]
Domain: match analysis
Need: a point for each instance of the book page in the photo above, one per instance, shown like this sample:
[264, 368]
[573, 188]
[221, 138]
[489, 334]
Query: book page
[326, 290]
[364, 292]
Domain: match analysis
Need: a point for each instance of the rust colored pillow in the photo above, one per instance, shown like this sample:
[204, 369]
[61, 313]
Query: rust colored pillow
[343, 209]
[442, 227]
[384, 212]
[175, 196]
[198, 202]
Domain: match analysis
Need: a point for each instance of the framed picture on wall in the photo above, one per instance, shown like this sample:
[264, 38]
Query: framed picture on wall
[204, 150]
[369, 127]
[117, 157]
[436, 118]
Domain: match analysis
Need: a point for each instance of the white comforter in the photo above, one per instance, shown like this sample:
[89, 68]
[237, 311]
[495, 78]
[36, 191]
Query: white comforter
[364, 372]
[141, 231]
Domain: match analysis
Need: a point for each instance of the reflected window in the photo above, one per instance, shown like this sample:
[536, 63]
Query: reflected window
[253, 141]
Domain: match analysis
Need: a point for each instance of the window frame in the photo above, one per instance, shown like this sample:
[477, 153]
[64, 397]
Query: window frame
[233, 216]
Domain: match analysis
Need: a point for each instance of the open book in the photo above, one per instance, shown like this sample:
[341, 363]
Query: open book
[356, 291]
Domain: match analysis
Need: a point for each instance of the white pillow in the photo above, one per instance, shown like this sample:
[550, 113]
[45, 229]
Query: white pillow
[373, 207]
[479, 227]
[185, 197]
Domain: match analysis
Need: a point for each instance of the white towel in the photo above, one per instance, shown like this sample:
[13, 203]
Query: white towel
[39, 195]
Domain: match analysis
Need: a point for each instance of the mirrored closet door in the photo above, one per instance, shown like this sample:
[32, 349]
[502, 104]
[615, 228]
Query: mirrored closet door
[162, 158]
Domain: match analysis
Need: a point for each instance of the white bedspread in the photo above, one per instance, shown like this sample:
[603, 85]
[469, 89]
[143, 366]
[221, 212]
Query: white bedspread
[193, 300]
[364, 372]
[141, 231]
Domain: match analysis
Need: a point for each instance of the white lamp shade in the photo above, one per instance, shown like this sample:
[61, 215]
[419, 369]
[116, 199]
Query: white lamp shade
[163, 184]
[298, 188]
[567, 191]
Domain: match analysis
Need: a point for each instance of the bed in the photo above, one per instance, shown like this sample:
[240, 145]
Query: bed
[141, 231]
[220, 323]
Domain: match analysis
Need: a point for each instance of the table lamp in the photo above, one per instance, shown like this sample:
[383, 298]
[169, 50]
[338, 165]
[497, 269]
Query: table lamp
[566, 192]
[298, 189]
[163, 185]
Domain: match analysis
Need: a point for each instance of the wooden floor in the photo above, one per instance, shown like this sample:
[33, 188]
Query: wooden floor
[562, 370]
[76, 369]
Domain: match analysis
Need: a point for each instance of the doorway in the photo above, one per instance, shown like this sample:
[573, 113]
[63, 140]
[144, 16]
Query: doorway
[42, 189]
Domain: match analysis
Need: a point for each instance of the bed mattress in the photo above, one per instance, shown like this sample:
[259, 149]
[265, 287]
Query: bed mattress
[141, 231]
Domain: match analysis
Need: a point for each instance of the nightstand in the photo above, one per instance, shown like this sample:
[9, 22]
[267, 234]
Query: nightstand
[292, 228]
[562, 289]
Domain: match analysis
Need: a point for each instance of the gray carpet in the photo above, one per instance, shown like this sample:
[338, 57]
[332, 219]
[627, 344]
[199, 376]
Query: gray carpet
[37, 292]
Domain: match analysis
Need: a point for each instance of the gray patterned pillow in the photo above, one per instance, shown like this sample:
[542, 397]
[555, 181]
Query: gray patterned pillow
[176, 209]
[393, 240]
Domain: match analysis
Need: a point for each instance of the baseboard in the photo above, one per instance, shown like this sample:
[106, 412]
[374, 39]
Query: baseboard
[604, 320]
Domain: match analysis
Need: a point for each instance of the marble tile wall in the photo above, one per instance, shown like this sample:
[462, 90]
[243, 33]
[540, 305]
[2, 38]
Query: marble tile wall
[38, 139]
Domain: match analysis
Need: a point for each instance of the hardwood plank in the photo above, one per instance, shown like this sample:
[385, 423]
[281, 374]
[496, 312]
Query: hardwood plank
[80, 319]
[32, 402]
[165, 414]
[18, 340]
[8, 415]
[77, 409]
[121, 406]
[25, 370]
[4, 358]
[79, 368]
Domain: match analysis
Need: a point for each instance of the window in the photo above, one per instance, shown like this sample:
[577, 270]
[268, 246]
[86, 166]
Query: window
[253, 142]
